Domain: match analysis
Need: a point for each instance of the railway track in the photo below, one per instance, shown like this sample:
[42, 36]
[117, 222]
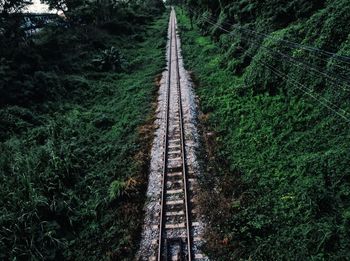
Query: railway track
[173, 228]
[177, 217]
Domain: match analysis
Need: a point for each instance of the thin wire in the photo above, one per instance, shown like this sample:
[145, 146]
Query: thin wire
[306, 65]
[315, 69]
[325, 103]
[314, 55]
[306, 90]
[263, 37]
[300, 86]
[288, 45]
[284, 74]
[341, 58]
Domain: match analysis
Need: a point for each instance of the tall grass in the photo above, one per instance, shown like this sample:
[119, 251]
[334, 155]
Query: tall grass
[72, 181]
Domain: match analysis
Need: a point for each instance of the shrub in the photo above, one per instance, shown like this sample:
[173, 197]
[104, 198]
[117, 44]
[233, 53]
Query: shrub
[110, 59]
[281, 161]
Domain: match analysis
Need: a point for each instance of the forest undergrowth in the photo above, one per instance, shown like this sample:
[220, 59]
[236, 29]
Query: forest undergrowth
[277, 159]
[75, 107]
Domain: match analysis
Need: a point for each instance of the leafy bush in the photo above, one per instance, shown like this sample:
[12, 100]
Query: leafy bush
[14, 120]
[277, 166]
[66, 133]
[119, 188]
[110, 59]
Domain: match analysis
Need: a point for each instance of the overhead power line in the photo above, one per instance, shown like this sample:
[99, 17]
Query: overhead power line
[341, 58]
[325, 102]
[337, 80]
[286, 44]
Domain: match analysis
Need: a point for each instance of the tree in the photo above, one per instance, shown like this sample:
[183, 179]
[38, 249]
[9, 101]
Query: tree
[63, 5]
[10, 22]
[83, 10]
[13, 6]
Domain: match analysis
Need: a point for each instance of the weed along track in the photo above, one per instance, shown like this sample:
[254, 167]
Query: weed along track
[173, 227]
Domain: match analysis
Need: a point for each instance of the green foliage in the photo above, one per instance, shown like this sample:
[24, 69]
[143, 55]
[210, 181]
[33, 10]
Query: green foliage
[110, 59]
[279, 175]
[71, 185]
[99, 12]
[116, 189]
[16, 119]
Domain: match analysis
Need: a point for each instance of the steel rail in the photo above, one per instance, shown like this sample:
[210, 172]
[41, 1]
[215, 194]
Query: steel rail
[183, 148]
[162, 208]
[173, 38]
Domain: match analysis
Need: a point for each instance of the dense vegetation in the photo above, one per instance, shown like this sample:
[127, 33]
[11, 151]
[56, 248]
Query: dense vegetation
[278, 144]
[75, 102]
[75, 125]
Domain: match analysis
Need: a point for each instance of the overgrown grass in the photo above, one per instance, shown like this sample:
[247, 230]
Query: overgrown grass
[73, 165]
[277, 173]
